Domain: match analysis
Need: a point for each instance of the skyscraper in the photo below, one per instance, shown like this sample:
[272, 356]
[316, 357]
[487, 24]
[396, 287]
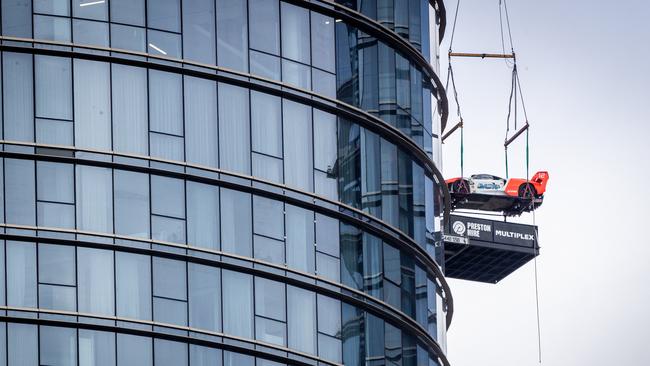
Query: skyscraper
[222, 182]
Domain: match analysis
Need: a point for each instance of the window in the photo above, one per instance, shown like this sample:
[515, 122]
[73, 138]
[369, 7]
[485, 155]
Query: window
[57, 277]
[94, 199]
[164, 15]
[96, 348]
[322, 42]
[205, 297]
[295, 33]
[131, 203]
[22, 345]
[20, 195]
[130, 121]
[372, 265]
[96, 10]
[53, 7]
[327, 235]
[268, 218]
[168, 196]
[269, 250]
[264, 65]
[265, 26]
[325, 153]
[300, 239]
[232, 35]
[90, 32]
[53, 87]
[166, 102]
[127, 38]
[55, 193]
[204, 356]
[170, 291]
[203, 215]
[237, 304]
[198, 31]
[164, 44]
[201, 122]
[267, 168]
[133, 276]
[236, 222]
[301, 310]
[270, 309]
[234, 128]
[58, 346]
[21, 274]
[266, 124]
[134, 350]
[128, 11]
[168, 353]
[96, 286]
[52, 28]
[92, 110]
[296, 74]
[54, 132]
[17, 88]
[298, 171]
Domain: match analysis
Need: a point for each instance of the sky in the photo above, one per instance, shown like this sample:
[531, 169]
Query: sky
[583, 66]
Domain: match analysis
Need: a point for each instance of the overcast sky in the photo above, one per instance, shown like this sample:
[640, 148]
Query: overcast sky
[584, 67]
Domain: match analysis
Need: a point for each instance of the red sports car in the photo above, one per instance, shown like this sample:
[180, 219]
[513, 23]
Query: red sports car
[493, 185]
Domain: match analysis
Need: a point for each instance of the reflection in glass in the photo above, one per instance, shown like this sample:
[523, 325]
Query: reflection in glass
[128, 11]
[134, 350]
[90, 32]
[164, 14]
[58, 346]
[198, 31]
[127, 38]
[168, 353]
[96, 348]
[90, 9]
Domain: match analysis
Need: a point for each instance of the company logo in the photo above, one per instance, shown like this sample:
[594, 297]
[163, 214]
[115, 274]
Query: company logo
[459, 227]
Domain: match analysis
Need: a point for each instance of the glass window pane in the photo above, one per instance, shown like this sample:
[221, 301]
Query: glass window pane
[168, 229]
[22, 345]
[131, 203]
[322, 42]
[169, 311]
[300, 239]
[237, 359]
[267, 168]
[268, 217]
[166, 146]
[301, 310]
[298, 167]
[94, 199]
[57, 297]
[327, 235]
[167, 196]
[264, 65]
[205, 297]
[164, 43]
[90, 32]
[232, 35]
[166, 102]
[296, 74]
[164, 14]
[18, 94]
[90, 9]
[329, 316]
[270, 299]
[265, 26]
[295, 33]
[129, 97]
[52, 28]
[20, 195]
[269, 250]
[59, 215]
[55, 182]
[96, 348]
[238, 304]
[328, 267]
[53, 87]
[56, 264]
[198, 31]
[203, 215]
[169, 278]
[53, 132]
[236, 222]
[329, 348]
[201, 122]
[2, 272]
[133, 275]
[323, 83]
[92, 104]
[204, 356]
[134, 350]
[96, 285]
[266, 123]
[234, 129]
[271, 331]
[58, 346]
[168, 353]
[325, 145]
[128, 11]
[127, 38]
[21, 274]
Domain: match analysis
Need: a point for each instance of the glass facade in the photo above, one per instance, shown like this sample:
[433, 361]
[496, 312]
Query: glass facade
[220, 182]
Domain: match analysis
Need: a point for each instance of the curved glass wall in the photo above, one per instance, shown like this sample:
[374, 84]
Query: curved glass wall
[112, 258]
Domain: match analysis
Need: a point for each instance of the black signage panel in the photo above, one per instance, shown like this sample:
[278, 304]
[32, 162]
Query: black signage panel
[470, 227]
[491, 231]
[515, 234]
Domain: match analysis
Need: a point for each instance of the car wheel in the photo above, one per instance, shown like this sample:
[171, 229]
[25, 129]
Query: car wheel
[460, 186]
[527, 190]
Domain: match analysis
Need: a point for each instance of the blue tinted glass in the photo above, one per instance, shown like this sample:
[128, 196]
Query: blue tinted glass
[90, 32]
[169, 311]
[58, 346]
[166, 102]
[300, 239]
[131, 203]
[56, 264]
[329, 348]
[198, 31]
[265, 26]
[266, 123]
[234, 129]
[201, 122]
[296, 74]
[236, 222]
[237, 359]
[298, 165]
[164, 14]
[2, 274]
[94, 199]
[92, 104]
[128, 11]
[169, 278]
[204, 356]
[168, 229]
[232, 35]
[129, 98]
[372, 265]
[327, 235]
[168, 353]
[269, 250]
[328, 267]
[96, 348]
[164, 44]
[134, 350]
[127, 38]
[264, 65]
[20, 192]
[166, 147]
[268, 217]
[271, 331]
[203, 215]
[205, 297]
[22, 345]
[323, 83]
[53, 132]
[322, 42]
[55, 182]
[52, 28]
[167, 196]
[96, 286]
[17, 91]
[329, 316]
[301, 310]
[295, 33]
[21, 274]
[133, 276]
[53, 87]
[90, 9]
[267, 168]
[55, 215]
[270, 299]
[237, 304]
[353, 342]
